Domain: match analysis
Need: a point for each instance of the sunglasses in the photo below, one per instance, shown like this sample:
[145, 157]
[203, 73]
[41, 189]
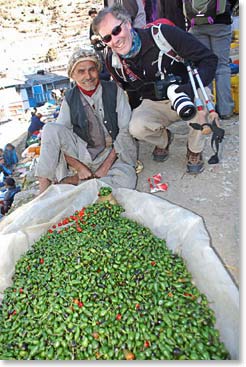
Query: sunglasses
[115, 31]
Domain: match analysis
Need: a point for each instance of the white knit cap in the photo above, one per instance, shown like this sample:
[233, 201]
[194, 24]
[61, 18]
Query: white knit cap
[82, 54]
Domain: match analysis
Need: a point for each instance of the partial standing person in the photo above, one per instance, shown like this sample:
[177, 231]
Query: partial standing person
[91, 132]
[218, 36]
[35, 126]
[172, 10]
[135, 8]
[10, 156]
[132, 59]
[92, 14]
[6, 171]
[9, 195]
[150, 7]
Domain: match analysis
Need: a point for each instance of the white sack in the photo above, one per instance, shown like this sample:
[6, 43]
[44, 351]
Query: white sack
[183, 230]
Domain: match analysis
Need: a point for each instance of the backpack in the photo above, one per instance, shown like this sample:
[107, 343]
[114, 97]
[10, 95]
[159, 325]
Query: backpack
[161, 42]
[203, 11]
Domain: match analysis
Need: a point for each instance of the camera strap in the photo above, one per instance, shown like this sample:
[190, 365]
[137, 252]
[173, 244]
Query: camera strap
[217, 137]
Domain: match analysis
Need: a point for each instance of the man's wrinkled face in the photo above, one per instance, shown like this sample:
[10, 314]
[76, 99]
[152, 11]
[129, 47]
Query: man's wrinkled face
[86, 75]
[116, 34]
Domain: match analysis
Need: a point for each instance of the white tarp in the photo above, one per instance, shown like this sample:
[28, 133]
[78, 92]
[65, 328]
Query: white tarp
[183, 230]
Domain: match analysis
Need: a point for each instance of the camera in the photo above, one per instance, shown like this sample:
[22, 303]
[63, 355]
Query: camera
[181, 102]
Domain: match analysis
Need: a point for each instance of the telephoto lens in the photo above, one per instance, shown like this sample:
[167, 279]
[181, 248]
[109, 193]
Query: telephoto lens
[181, 103]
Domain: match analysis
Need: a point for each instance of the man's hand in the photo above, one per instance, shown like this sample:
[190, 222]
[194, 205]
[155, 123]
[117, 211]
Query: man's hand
[202, 120]
[84, 172]
[214, 116]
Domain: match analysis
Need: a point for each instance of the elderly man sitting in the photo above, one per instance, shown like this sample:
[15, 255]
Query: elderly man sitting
[91, 132]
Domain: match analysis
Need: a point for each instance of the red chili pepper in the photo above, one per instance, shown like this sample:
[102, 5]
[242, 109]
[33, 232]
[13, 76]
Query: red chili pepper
[21, 290]
[54, 226]
[80, 304]
[79, 229]
[95, 335]
[189, 295]
[50, 231]
[137, 306]
[153, 263]
[82, 212]
[41, 261]
[146, 344]
[118, 316]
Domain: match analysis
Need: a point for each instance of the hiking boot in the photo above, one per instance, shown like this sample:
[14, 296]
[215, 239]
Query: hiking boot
[161, 154]
[195, 162]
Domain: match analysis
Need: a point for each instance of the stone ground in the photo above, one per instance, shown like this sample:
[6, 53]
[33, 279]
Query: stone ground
[214, 194]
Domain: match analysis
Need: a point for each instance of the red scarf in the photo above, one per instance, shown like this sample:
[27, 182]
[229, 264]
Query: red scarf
[88, 92]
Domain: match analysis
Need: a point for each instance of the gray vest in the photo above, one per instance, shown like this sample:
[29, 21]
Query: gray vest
[79, 119]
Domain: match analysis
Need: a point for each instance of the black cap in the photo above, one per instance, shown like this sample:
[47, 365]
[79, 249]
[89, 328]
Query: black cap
[10, 181]
[92, 11]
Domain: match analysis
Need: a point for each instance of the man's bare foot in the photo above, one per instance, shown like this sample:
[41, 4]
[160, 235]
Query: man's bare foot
[44, 183]
[72, 180]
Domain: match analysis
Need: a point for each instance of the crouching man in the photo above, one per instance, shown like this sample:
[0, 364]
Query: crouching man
[91, 133]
